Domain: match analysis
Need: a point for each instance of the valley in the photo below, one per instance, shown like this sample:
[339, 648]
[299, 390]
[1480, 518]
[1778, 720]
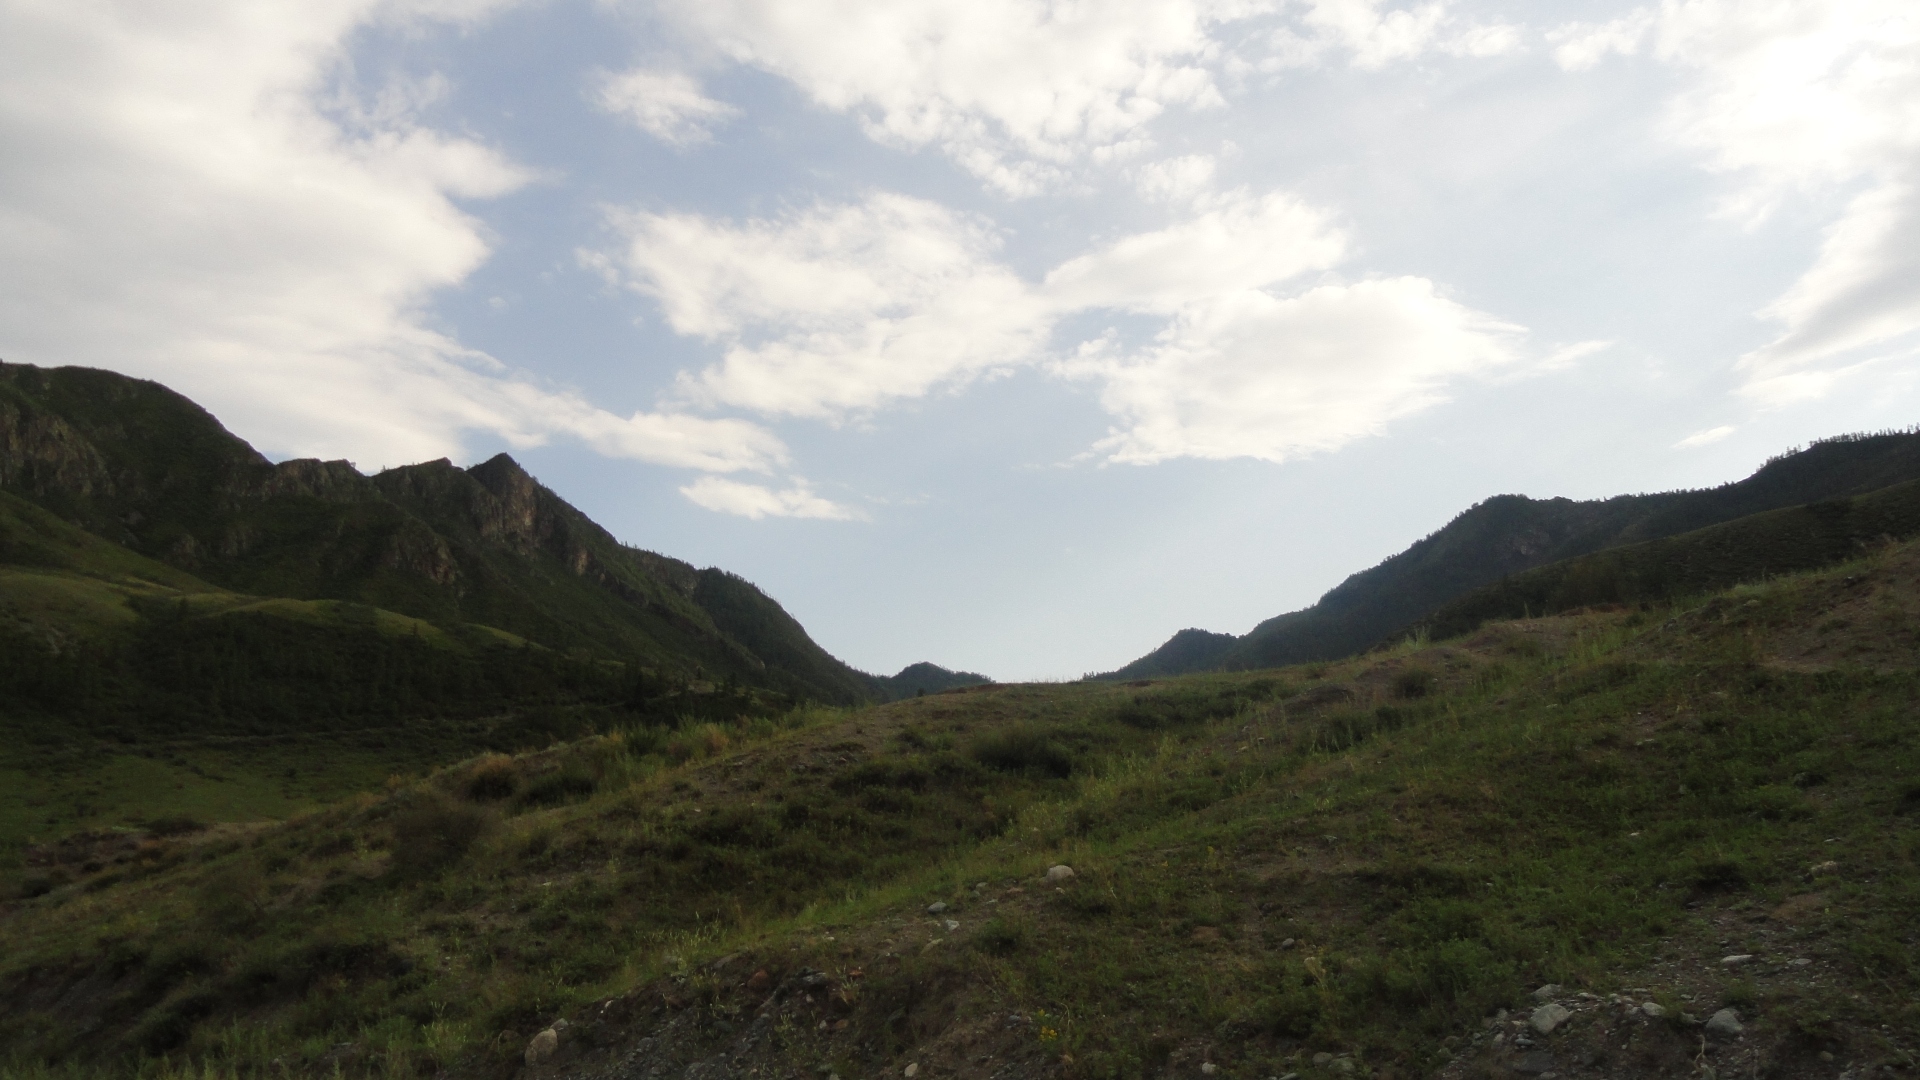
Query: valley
[422, 774]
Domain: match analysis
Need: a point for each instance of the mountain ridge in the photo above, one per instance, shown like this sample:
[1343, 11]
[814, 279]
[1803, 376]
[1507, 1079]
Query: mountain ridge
[146, 468]
[1508, 534]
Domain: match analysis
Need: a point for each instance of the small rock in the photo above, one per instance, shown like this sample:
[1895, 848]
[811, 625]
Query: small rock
[1058, 874]
[1826, 1055]
[952, 925]
[1653, 1010]
[1737, 959]
[937, 908]
[1547, 1017]
[1801, 962]
[558, 1026]
[758, 980]
[1725, 1024]
[1208, 1068]
[542, 1046]
[1827, 867]
[1290, 1076]
[1322, 1058]
[1546, 992]
[1287, 944]
[912, 1070]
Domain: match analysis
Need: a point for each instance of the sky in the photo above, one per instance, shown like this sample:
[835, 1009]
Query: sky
[1014, 335]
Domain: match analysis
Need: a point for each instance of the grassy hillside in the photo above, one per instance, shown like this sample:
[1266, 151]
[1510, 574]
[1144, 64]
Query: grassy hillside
[149, 471]
[1346, 868]
[1509, 534]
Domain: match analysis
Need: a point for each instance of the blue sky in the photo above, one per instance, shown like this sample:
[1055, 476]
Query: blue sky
[1007, 334]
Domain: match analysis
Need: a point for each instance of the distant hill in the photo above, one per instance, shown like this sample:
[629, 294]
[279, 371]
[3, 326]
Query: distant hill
[149, 472]
[1508, 534]
[925, 678]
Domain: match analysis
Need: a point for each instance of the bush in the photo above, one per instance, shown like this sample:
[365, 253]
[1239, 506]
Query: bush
[570, 782]
[174, 825]
[493, 779]
[1023, 750]
[1000, 938]
[1414, 682]
[431, 833]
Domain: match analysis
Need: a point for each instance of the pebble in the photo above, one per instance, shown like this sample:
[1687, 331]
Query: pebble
[1546, 992]
[1736, 959]
[1801, 962]
[1287, 944]
[952, 925]
[937, 908]
[1547, 1017]
[1322, 1058]
[912, 1070]
[1653, 1010]
[1208, 1068]
[1057, 874]
[1725, 1023]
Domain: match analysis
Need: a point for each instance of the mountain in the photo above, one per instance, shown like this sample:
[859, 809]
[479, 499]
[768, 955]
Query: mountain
[915, 680]
[1527, 851]
[1748, 549]
[133, 463]
[1508, 534]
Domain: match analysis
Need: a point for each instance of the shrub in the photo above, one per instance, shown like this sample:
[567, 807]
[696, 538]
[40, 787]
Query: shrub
[174, 825]
[1414, 682]
[1023, 749]
[493, 779]
[551, 789]
[431, 833]
[1000, 937]
[233, 896]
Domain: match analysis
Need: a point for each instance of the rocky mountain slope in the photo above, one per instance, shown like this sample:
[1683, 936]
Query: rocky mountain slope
[144, 468]
[1508, 534]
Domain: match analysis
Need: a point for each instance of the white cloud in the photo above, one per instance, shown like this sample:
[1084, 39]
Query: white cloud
[1176, 179]
[668, 105]
[1801, 97]
[1704, 438]
[835, 309]
[1580, 46]
[848, 308]
[1018, 92]
[1234, 242]
[1253, 375]
[1864, 289]
[1371, 35]
[1795, 93]
[754, 501]
[183, 198]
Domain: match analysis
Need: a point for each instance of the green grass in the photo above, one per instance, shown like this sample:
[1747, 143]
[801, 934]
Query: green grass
[1437, 829]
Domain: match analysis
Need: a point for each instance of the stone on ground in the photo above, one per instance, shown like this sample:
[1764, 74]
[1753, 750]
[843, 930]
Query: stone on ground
[1057, 874]
[542, 1046]
[1725, 1024]
[1547, 1017]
